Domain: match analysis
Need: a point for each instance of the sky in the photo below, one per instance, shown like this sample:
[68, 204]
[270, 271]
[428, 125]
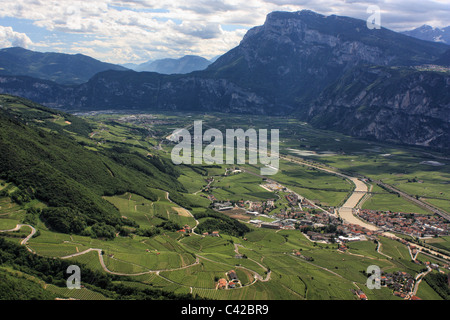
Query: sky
[136, 31]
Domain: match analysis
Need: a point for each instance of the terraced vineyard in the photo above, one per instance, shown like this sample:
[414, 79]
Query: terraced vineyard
[155, 244]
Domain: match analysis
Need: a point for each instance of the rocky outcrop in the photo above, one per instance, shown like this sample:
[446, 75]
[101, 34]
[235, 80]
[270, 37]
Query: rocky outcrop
[396, 104]
[119, 90]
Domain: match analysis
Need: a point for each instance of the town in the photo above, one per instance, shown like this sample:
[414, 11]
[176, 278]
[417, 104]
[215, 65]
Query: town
[319, 224]
[292, 211]
[412, 224]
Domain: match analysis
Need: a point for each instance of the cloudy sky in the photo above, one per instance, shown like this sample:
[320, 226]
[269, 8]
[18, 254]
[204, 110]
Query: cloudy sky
[122, 31]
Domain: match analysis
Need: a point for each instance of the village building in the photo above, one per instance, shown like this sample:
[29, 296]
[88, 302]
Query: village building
[222, 284]
[232, 275]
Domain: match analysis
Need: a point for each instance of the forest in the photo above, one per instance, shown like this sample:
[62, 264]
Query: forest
[46, 163]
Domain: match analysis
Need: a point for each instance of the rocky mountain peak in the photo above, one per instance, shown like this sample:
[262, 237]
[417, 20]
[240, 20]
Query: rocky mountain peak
[280, 23]
[430, 33]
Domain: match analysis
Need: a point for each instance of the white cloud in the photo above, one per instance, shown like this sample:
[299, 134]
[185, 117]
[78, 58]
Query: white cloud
[200, 30]
[10, 38]
[138, 30]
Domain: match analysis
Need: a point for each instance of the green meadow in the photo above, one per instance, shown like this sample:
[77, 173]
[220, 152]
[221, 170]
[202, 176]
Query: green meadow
[148, 213]
[391, 202]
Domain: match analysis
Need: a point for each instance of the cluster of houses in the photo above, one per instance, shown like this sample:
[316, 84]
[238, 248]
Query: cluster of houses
[413, 224]
[207, 188]
[313, 225]
[223, 206]
[251, 207]
[186, 229]
[231, 281]
[360, 294]
[340, 236]
[141, 119]
[402, 283]
[273, 186]
[432, 67]
[212, 234]
[263, 207]
[302, 215]
[292, 198]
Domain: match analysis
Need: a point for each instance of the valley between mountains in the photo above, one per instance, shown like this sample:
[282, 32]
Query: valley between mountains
[281, 237]
[88, 177]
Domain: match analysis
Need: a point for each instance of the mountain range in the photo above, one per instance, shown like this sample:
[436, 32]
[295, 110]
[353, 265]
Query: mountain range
[59, 67]
[184, 65]
[329, 70]
[429, 33]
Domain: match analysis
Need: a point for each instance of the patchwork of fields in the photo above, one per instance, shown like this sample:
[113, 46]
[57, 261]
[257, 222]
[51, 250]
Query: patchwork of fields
[263, 259]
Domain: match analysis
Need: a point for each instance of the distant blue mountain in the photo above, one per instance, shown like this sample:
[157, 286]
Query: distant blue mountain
[186, 64]
[429, 33]
[59, 67]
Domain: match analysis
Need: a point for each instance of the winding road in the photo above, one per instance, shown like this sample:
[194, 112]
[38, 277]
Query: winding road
[190, 213]
[102, 262]
[24, 241]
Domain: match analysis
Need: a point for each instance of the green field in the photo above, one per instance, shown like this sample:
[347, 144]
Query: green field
[313, 184]
[391, 202]
[148, 213]
[241, 186]
[173, 262]
[441, 243]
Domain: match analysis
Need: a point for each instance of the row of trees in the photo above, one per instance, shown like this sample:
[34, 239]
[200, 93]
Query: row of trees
[440, 283]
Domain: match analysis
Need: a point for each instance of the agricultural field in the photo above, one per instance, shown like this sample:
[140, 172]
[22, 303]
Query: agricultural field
[427, 293]
[148, 213]
[240, 186]
[263, 259]
[441, 243]
[315, 185]
[391, 202]
[406, 170]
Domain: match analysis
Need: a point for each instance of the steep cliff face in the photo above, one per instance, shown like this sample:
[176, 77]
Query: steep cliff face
[140, 91]
[294, 56]
[397, 104]
[157, 92]
[45, 92]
